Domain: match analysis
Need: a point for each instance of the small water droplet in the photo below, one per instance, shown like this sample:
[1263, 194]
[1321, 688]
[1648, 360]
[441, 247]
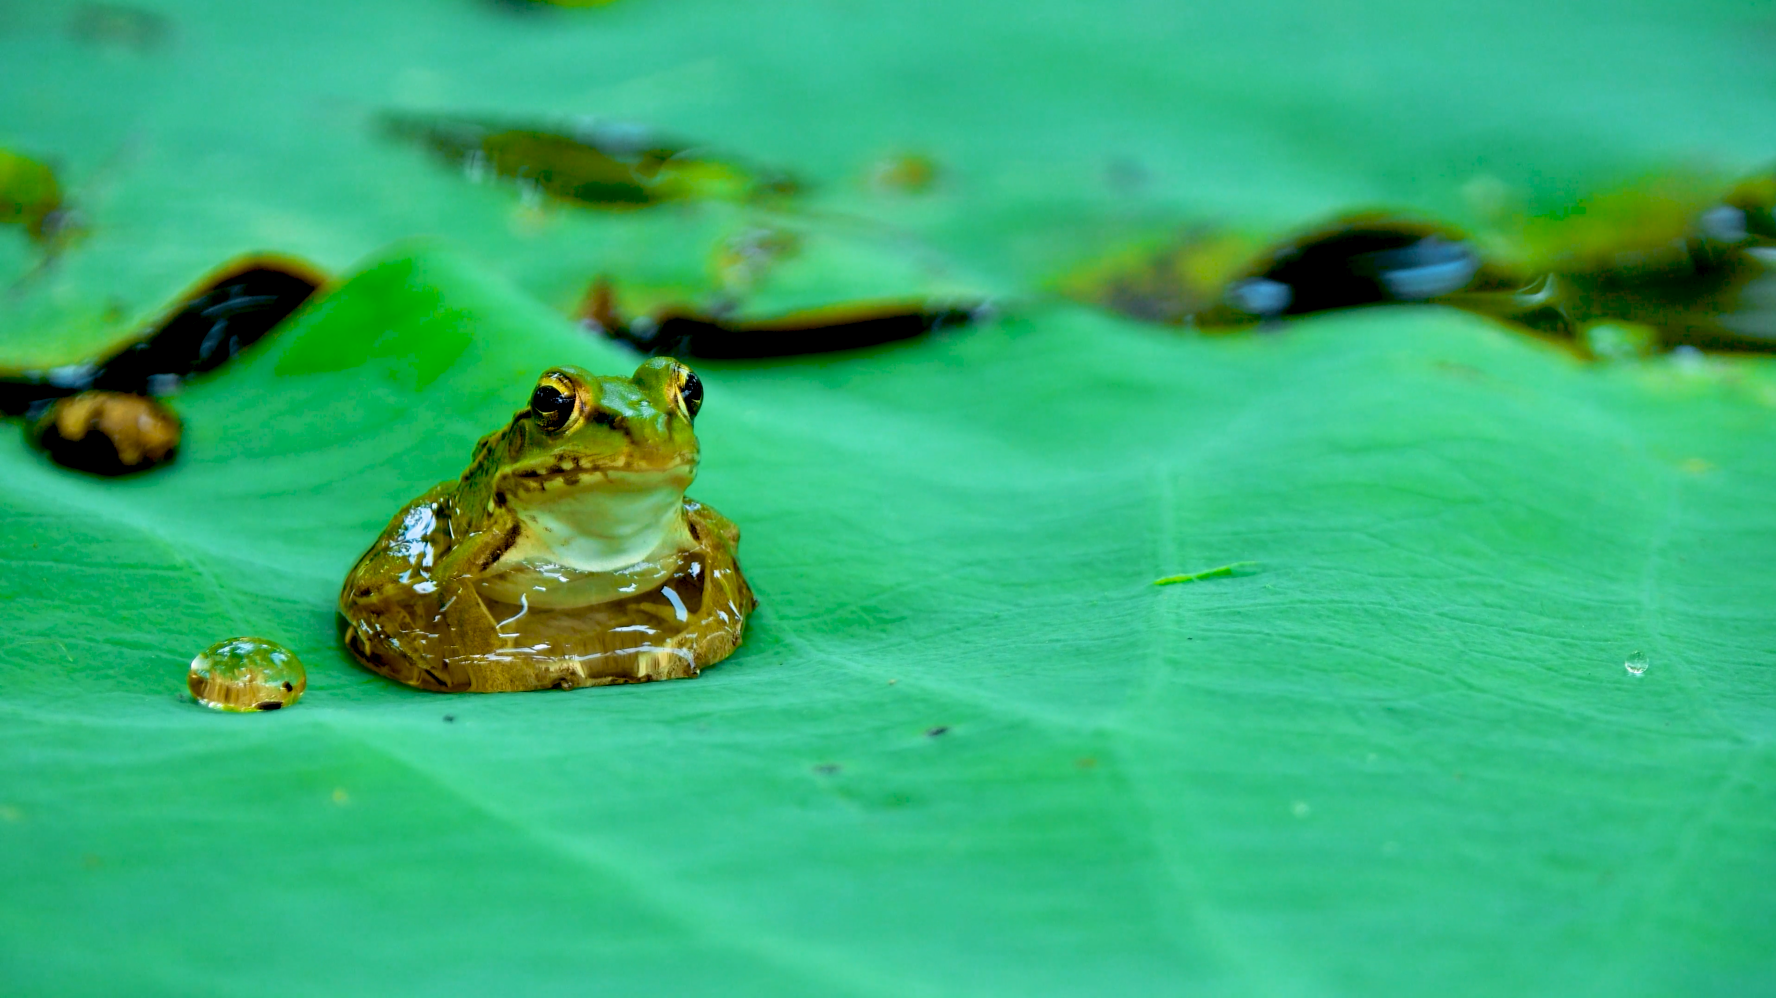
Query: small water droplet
[1725, 223]
[1300, 809]
[247, 674]
[1636, 663]
[1431, 267]
[1688, 357]
[1260, 296]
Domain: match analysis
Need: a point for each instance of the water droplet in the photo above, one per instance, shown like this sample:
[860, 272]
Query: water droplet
[1725, 223]
[1687, 357]
[1636, 663]
[1363, 261]
[247, 674]
[1300, 809]
[1260, 296]
[1433, 266]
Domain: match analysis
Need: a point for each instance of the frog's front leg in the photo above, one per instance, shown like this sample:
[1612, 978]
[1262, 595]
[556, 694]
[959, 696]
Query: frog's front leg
[467, 630]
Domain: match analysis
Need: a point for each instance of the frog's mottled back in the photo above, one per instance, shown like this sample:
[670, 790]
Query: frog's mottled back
[566, 554]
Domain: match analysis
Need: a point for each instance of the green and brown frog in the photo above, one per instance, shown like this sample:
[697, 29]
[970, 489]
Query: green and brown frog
[566, 555]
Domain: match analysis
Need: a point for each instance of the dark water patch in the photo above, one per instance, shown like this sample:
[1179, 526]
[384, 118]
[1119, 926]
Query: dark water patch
[686, 333]
[1632, 272]
[1212, 279]
[218, 320]
[101, 417]
[1357, 262]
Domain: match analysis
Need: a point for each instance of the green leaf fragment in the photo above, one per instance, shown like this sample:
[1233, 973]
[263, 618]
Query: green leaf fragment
[1223, 571]
[29, 193]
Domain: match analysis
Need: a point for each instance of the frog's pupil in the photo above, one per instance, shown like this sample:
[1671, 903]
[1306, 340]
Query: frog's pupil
[551, 407]
[692, 393]
[548, 400]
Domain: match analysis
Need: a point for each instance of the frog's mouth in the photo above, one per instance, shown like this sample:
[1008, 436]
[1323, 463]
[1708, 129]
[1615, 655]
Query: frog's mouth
[625, 474]
[598, 518]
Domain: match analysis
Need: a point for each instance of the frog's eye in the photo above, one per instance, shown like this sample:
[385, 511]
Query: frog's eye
[552, 404]
[690, 393]
[665, 380]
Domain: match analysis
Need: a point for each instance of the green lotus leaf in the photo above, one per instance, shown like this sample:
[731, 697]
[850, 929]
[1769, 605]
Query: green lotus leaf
[969, 746]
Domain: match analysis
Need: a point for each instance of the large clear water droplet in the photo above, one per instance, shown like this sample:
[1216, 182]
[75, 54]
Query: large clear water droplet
[1636, 663]
[247, 674]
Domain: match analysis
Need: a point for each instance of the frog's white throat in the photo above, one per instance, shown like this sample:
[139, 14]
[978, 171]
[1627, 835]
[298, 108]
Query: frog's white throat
[610, 521]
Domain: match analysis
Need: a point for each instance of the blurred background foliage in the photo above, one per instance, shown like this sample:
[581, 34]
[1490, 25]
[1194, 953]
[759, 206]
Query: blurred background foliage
[1048, 136]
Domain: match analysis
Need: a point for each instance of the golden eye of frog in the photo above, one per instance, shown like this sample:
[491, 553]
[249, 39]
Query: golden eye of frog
[566, 555]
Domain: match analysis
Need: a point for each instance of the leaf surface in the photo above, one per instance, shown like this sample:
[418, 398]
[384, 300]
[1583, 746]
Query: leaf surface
[968, 747]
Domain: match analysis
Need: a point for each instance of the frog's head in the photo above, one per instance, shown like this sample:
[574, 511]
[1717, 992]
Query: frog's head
[583, 432]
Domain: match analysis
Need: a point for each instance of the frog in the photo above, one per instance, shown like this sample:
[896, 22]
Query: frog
[565, 555]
